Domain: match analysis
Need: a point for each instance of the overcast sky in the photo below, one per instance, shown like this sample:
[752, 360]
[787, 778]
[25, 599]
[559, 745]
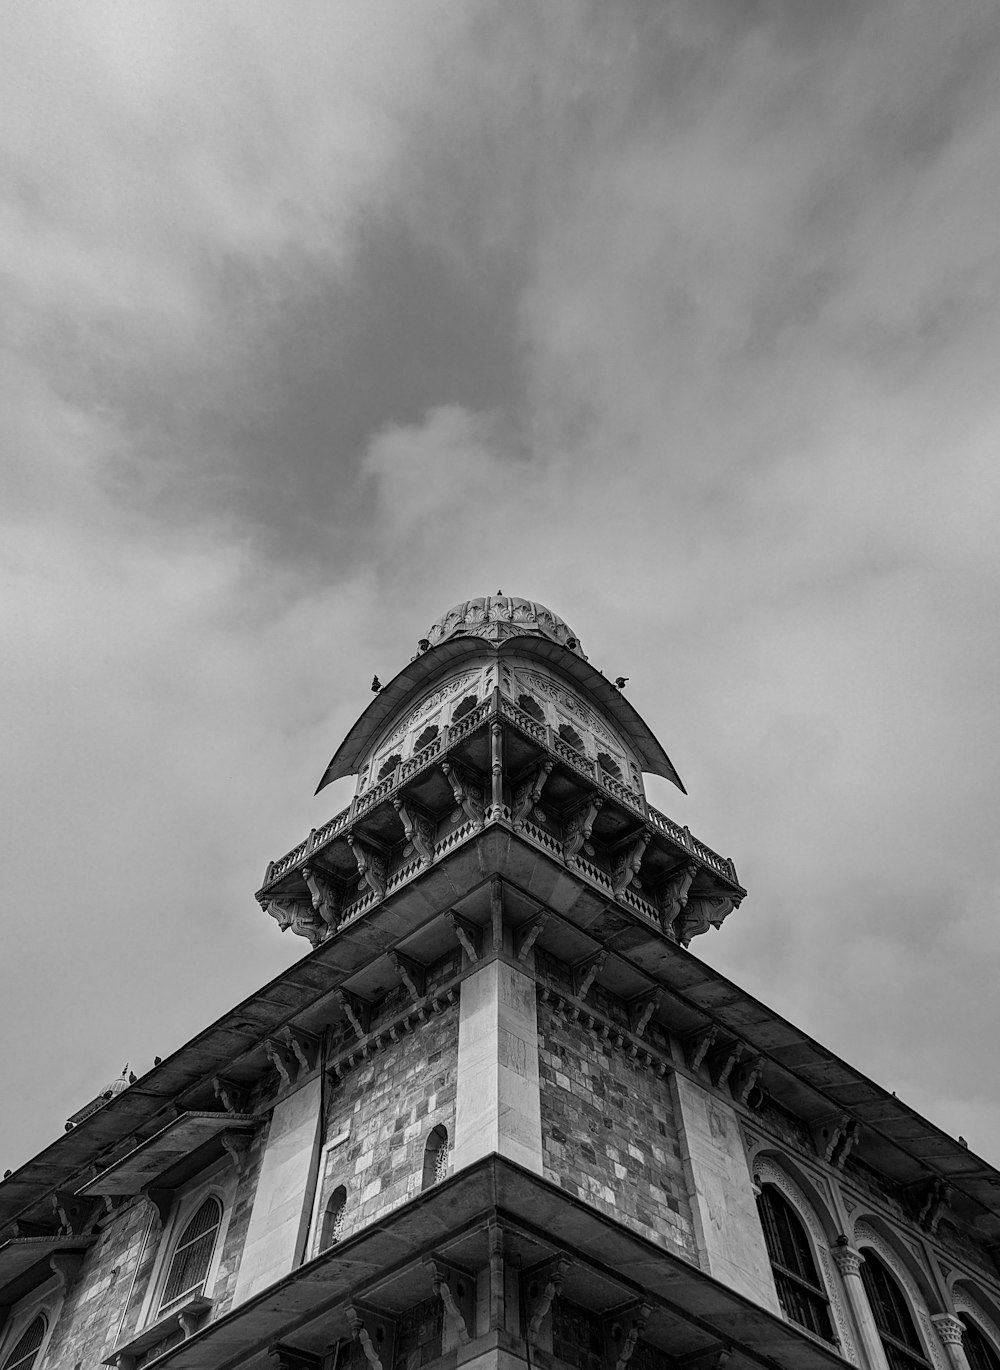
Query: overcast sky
[680, 317]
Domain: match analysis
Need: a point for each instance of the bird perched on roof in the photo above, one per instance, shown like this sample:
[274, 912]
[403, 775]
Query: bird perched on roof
[376, 684]
[621, 681]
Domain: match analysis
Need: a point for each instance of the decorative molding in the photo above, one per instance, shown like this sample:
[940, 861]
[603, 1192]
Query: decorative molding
[765, 1171]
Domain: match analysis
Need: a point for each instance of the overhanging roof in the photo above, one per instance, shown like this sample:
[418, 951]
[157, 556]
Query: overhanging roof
[424, 669]
[24, 1262]
[171, 1144]
[306, 1308]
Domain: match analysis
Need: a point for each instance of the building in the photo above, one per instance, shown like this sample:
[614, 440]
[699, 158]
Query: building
[500, 1113]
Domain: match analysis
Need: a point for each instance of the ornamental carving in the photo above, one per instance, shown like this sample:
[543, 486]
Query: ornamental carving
[297, 916]
[673, 895]
[468, 795]
[703, 912]
[371, 868]
[527, 794]
[625, 871]
[766, 1172]
[865, 1235]
[577, 830]
[327, 900]
[418, 829]
[963, 1302]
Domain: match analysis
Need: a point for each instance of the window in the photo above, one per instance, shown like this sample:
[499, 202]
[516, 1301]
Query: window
[426, 737]
[892, 1316]
[388, 766]
[27, 1347]
[610, 766]
[978, 1351]
[571, 737]
[192, 1256]
[464, 707]
[800, 1289]
[435, 1156]
[333, 1218]
[527, 704]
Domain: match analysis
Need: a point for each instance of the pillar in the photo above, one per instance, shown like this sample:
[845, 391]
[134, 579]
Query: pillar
[849, 1264]
[949, 1330]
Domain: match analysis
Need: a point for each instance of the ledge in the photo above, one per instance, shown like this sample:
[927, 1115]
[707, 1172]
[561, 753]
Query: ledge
[26, 1262]
[182, 1320]
[172, 1144]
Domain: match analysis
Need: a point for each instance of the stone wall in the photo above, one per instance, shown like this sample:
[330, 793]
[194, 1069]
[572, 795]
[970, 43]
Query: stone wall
[387, 1106]
[609, 1133]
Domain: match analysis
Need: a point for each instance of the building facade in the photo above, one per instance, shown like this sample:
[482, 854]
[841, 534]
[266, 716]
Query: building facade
[500, 1112]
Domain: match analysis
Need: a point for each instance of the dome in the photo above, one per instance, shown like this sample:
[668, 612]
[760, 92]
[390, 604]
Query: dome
[498, 616]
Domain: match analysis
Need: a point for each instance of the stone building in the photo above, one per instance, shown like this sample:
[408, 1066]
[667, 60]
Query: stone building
[500, 1113]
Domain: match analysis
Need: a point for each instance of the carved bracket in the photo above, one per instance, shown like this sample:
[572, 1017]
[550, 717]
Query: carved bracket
[527, 794]
[528, 935]
[236, 1145]
[930, 1200]
[293, 1054]
[75, 1215]
[327, 898]
[443, 1281]
[586, 972]
[642, 1009]
[296, 914]
[578, 827]
[704, 911]
[468, 795]
[625, 870]
[622, 1330]
[162, 1200]
[66, 1266]
[554, 1276]
[232, 1097]
[419, 829]
[744, 1080]
[412, 974]
[722, 1060]
[372, 868]
[357, 1011]
[373, 1332]
[698, 1044]
[672, 895]
[467, 934]
[835, 1139]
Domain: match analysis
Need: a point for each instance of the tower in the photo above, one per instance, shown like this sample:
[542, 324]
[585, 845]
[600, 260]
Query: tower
[500, 1112]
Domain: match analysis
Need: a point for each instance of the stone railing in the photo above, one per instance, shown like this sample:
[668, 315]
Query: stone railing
[537, 732]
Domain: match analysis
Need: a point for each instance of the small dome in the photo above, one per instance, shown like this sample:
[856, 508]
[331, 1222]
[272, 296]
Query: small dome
[116, 1086]
[496, 617]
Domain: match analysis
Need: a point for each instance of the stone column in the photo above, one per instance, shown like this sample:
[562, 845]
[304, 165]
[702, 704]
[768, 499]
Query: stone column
[849, 1264]
[497, 1105]
[949, 1330]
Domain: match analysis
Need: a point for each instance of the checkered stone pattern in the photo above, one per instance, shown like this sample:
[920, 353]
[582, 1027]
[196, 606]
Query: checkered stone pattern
[609, 1133]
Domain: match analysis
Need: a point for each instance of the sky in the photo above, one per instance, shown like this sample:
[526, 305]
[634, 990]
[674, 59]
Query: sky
[681, 318]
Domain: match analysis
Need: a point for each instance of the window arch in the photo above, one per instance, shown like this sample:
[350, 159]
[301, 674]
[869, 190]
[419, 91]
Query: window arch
[610, 766]
[188, 1269]
[529, 704]
[426, 737]
[979, 1350]
[571, 737]
[893, 1319]
[463, 707]
[388, 766]
[333, 1218]
[435, 1156]
[801, 1292]
[27, 1346]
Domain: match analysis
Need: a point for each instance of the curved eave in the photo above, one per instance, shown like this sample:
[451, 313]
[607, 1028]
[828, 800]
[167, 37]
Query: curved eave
[424, 669]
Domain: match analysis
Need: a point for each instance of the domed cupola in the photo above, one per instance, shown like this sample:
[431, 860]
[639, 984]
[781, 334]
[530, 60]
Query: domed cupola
[496, 617]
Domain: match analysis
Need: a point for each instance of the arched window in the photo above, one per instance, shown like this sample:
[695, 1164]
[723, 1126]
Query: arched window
[192, 1256]
[979, 1352]
[892, 1315]
[610, 766]
[800, 1289]
[333, 1218]
[426, 737]
[571, 737]
[529, 705]
[435, 1156]
[464, 707]
[27, 1347]
[388, 766]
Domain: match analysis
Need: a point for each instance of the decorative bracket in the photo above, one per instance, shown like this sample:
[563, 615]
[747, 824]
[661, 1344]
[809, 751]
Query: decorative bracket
[698, 1044]
[441, 1277]
[75, 1214]
[704, 912]
[642, 1009]
[65, 1265]
[578, 827]
[634, 1319]
[467, 934]
[162, 1200]
[554, 1276]
[722, 1060]
[743, 1080]
[626, 867]
[672, 895]
[412, 974]
[236, 1145]
[232, 1097]
[418, 829]
[835, 1139]
[327, 899]
[527, 795]
[357, 1011]
[358, 1320]
[930, 1200]
[528, 936]
[465, 792]
[585, 973]
[371, 867]
[299, 917]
